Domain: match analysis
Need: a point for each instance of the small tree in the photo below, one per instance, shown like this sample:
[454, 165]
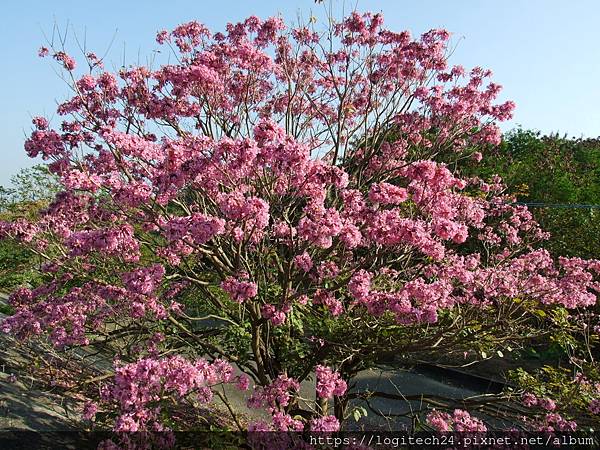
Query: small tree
[289, 201]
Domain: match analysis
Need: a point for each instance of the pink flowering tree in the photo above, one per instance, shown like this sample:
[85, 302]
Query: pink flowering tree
[280, 205]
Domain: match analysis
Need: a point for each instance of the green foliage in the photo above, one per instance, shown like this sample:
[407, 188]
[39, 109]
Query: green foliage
[30, 186]
[17, 266]
[553, 170]
[560, 384]
[32, 189]
[6, 309]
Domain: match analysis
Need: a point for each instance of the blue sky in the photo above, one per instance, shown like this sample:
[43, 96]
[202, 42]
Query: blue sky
[544, 52]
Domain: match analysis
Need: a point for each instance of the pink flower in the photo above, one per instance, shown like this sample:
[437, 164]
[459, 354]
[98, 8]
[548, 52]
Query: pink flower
[162, 36]
[126, 424]
[463, 422]
[320, 227]
[284, 422]
[303, 262]
[554, 422]
[440, 421]
[67, 62]
[328, 270]
[547, 404]
[239, 289]
[275, 316]
[250, 214]
[328, 300]
[529, 400]
[360, 285]
[350, 235]
[89, 411]
[144, 280]
[41, 123]
[277, 394]
[137, 386]
[460, 421]
[243, 382]
[387, 194]
[326, 424]
[329, 383]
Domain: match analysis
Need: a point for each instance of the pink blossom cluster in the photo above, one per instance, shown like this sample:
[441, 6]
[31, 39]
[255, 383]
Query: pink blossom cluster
[276, 395]
[390, 228]
[240, 288]
[360, 285]
[329, 383]
[552, 422]
[325, 424]
[132, 145]
[197, 229]
[417, 301]
[320, 226]
[329, 301]
[69, 318]
[327, 270]
[64, 317]
[274, 315]
[285, 422]
[118, 241]
[279, 422]
[459, 420]
[47, 143]
[531, 400]
[387, 194]
[303, 262]
[20, 229]
[90, 409]
[67, 61]
[138, 388]
[249, 216]
[131, 194]
[144, 280]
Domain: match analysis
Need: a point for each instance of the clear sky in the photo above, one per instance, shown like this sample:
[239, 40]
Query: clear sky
[546, 53]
